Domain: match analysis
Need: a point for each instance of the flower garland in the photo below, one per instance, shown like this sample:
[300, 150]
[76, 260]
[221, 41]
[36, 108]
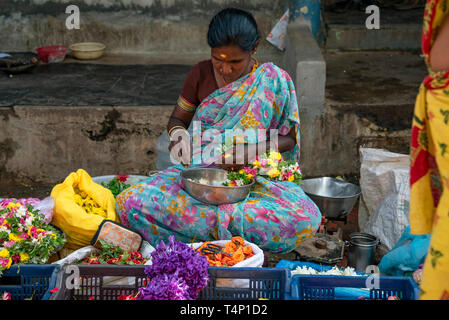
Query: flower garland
[25, 237]
[270, 165]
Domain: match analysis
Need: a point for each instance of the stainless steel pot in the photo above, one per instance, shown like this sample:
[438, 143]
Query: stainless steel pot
[335, 198]
[362, 247]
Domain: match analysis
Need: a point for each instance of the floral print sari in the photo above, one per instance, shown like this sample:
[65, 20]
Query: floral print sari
[276, 215]
[429, 172]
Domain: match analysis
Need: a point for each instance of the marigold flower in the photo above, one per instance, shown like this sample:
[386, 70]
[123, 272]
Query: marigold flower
[14, 237]
[256, 164]
[4, 253]
[273, 173]
[275, 156]
[13, 205]
[24, 257]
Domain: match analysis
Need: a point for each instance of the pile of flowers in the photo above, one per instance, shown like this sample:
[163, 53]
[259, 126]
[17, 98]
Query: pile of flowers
[89, 205]
[240, 178]
[334, 271]
[117, 184]
[177, 272]
[233, 252]
[111, 254]
[270, 165]
[25, 237]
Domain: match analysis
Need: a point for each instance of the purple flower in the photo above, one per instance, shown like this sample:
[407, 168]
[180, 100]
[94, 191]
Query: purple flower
[177, 259]
[165, 287]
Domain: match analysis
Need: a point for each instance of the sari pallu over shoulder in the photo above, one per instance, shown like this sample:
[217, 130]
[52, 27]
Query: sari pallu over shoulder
[432, 104]
[265, 99]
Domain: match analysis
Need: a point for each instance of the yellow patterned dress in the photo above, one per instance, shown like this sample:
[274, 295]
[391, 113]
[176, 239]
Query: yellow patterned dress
[429, 174]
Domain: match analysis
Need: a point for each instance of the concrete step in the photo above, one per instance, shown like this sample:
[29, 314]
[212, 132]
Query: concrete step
[399, 30]
[370, 97]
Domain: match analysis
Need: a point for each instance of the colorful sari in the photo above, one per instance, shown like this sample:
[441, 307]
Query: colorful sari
[429, 173]
[277, 216]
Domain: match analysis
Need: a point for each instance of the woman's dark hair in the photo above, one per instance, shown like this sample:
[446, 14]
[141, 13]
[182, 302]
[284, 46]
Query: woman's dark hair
[233, 27]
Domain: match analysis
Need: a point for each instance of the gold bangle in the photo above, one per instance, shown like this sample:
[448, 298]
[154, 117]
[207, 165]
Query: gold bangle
[173, 128]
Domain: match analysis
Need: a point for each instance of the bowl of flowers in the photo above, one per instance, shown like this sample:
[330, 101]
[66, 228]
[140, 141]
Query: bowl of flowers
[217, 186]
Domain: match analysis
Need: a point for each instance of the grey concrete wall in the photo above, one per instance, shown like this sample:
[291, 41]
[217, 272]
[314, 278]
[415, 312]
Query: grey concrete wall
[45, 144]
[124, 26]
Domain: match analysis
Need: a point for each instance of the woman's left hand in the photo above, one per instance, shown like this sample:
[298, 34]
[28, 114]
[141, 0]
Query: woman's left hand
[239, 161]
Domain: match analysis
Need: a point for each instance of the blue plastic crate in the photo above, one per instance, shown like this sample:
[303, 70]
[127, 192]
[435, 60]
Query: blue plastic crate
[318, 287]
[246, 284]
[330, 287]
[29, 281]
[224, 283]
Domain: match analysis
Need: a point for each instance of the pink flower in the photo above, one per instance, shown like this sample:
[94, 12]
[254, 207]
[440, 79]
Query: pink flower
[33, 231]
[24, 236]
[4, 262]
[250, 171]
[8, 244]
[6, 296]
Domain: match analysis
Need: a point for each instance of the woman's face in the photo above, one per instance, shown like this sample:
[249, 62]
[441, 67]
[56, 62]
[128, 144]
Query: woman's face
[231, 62]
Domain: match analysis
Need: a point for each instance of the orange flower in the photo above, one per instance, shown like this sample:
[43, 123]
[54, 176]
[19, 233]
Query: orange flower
[235, 247]
[238, 240]
[248, 250]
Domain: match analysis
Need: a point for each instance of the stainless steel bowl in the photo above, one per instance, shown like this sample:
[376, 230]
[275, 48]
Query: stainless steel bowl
[335, 198]
[208, 192]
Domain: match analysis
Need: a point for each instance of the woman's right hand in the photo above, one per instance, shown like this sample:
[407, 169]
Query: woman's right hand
[185, 160]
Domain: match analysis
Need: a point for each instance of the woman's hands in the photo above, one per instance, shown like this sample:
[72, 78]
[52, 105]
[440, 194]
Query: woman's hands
[180, 149]
[241, 156]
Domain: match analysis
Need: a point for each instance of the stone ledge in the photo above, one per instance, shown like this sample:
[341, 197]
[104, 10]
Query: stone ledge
[306, 66]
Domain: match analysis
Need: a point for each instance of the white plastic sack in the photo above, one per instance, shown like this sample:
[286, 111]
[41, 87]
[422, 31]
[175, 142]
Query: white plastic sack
[44, 206]
[256, 261]
[385, 198]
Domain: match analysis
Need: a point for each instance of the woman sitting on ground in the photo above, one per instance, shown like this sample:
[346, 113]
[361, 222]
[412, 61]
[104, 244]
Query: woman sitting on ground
[229, 91]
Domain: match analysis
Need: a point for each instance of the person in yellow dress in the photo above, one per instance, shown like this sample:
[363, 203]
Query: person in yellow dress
[429, 172]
